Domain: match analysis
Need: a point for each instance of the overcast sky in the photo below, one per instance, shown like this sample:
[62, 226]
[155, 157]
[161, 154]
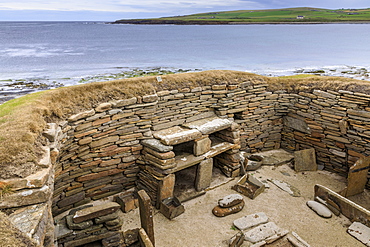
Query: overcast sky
[110, 10]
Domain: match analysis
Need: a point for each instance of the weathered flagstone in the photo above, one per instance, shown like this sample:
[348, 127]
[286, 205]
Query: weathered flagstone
[297, 124]
[251, 220]
[262, 232]
[204, 174]
[29, 219]
[177, 135]
[360, 232]
[26, 197]
[156, 145]
[357, 177]
[209, 125]
[36, 180]
[81, 115]
[305, 160]
[96, 211]
[77, 226]
[230, 200]
[286, 187]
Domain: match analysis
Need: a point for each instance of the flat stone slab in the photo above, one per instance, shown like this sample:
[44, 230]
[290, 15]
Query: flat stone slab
[357, 177]
[26, 197]
[96, 211]
[262, 232]
[251, 220]
[320, 209]
[209, 125]
[360, 232]
[305, 160]
[230, 200]
[156, 145]
[297, 124]
[275, 157]
[219, 148]
[177, 135]
[286, 187]
[28, 219]
[185, 160]
[36, 180]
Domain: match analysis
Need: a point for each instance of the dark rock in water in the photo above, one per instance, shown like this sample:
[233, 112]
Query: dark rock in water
[222, 212]
[230, 200]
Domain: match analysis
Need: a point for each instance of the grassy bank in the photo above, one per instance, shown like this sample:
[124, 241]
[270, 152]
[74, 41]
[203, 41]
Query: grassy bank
[22, 120]
[289, 15]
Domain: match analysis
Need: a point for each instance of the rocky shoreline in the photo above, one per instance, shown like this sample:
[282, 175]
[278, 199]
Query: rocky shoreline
[13, 88]
[216, 22]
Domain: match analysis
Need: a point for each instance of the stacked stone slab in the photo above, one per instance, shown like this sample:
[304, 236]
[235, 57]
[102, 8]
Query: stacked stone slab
[89, 224]
[101, 152]
[30, 197]
[335, 124]
[190, 144]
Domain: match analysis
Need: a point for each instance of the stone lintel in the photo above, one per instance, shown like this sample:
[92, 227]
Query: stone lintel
[177, 135]
[96, 211]
[209, 125]
[156, 145]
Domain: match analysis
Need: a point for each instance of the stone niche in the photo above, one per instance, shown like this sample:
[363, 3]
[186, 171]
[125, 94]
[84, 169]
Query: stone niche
[185, 155]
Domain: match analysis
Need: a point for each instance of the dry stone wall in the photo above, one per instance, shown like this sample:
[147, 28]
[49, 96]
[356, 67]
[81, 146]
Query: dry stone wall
[336, 124]
[99, 153]
[101, 148]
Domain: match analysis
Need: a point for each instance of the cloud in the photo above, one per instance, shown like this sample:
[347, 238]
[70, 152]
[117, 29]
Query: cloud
[111, 9]
[122, 6]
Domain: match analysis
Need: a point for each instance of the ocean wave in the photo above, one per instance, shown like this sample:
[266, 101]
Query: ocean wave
[37, 52]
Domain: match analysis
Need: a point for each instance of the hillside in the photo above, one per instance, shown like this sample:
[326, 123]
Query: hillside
[289, 15]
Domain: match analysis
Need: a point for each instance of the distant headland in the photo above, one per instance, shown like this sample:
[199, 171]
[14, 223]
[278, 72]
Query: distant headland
[302, 15]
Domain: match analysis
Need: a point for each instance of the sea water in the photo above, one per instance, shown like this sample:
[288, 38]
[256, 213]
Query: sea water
[64, 53]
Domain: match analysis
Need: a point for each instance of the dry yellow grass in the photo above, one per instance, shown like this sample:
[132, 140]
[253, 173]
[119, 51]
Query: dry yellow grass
[23, 119]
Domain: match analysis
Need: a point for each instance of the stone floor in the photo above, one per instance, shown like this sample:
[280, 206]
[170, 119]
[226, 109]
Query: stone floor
[199, 227]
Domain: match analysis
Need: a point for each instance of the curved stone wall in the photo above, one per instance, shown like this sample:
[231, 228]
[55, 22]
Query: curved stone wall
[98, 153]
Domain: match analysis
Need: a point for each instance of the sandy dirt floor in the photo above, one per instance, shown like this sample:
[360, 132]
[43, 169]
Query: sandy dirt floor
[199, 227]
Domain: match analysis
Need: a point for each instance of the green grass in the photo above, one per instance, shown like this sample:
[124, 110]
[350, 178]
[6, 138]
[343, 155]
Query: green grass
[8, 107]
[275, 15]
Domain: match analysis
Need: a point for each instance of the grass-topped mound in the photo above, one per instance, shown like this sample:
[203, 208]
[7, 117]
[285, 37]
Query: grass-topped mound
[22, 120]
[287, 15]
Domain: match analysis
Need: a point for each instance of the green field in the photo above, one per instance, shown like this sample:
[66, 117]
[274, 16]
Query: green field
[264, 16]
